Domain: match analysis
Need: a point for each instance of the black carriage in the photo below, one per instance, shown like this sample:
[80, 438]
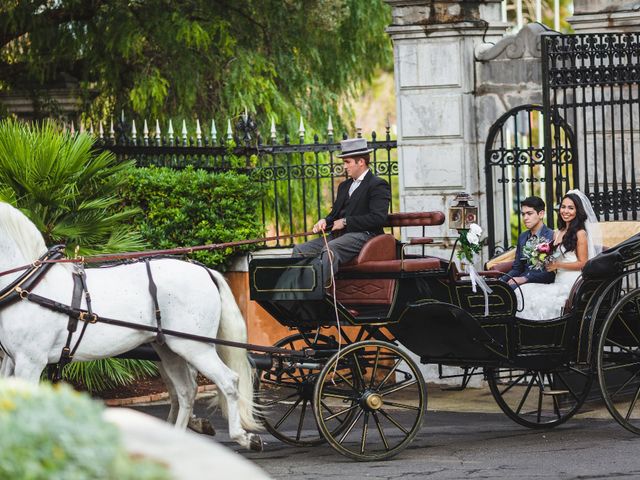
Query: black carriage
[389, 308]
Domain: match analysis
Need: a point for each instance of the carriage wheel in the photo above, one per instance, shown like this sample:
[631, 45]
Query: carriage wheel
[286, 394]
[618, 361]
[377, 391]
[538, 399]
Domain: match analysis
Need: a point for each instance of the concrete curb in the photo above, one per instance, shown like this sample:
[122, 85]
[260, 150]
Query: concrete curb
[155, 397]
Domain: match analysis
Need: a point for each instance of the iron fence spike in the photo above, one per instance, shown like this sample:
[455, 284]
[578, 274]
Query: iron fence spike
[170, 131]
[229, 131]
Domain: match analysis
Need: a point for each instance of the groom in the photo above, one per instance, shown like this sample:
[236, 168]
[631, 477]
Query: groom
[532, 210]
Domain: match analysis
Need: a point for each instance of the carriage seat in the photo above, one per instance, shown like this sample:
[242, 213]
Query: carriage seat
[380, 255]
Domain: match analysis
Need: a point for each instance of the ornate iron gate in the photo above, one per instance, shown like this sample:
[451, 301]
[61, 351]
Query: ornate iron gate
[516, 167]
[586, 135]
[592, 81]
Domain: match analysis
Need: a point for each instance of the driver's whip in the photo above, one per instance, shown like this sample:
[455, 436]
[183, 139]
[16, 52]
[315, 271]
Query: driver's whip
[154, 253]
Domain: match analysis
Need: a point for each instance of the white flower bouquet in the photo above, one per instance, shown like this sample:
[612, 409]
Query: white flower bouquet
[469, 243]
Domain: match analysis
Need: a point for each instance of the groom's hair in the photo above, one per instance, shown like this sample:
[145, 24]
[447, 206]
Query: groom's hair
[533, 202]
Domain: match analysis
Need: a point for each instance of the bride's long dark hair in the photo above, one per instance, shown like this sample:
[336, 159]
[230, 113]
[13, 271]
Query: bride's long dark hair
[570, 239]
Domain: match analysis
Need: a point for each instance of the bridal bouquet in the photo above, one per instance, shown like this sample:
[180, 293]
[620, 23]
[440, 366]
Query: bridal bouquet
[538, 252]
[469, 243]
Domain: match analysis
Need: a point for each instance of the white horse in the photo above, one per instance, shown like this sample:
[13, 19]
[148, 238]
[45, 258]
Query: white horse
[33, 336]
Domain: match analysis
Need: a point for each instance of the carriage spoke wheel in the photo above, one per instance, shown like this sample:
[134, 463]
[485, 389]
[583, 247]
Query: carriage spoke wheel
[377, 391]
[286, 394]
[618, 361]
[539, 399]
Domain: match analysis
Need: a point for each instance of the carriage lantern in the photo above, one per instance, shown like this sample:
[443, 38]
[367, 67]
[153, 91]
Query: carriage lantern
[462, 213]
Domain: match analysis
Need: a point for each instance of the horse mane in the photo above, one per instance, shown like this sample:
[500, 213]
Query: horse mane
[24, 233]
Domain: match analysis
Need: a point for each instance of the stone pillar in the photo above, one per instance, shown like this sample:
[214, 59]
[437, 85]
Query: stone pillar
[434, 44]
[599, 16]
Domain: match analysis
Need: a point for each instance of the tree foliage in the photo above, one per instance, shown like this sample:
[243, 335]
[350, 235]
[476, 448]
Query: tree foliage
[208, 58]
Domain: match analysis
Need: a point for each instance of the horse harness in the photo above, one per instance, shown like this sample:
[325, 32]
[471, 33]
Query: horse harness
[22, 289]
[29, 279]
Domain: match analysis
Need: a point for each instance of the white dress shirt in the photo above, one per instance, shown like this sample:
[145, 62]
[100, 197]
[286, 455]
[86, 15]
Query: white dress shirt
[357, 181]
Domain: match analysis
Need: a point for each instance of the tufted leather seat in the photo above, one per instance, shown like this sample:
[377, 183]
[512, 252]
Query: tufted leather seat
[380, 249]
[380, 255]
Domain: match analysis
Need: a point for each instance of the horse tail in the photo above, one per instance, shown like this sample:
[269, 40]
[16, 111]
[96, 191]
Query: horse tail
[232, 327]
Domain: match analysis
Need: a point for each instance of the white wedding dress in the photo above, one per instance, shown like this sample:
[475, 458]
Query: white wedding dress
[544, 301]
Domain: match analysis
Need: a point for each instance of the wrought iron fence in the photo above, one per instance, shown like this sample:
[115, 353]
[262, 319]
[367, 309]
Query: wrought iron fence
[300, 179]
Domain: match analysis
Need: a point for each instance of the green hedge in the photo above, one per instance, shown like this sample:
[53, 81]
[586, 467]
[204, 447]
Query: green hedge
[184, 208]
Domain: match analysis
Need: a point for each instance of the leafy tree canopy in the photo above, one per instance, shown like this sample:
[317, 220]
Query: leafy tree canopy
[206, 58]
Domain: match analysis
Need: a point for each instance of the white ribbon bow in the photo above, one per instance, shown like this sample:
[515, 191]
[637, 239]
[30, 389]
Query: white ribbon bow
[478, 281]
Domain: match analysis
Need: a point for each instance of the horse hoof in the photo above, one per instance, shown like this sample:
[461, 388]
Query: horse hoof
[255, 443]
[201, 425]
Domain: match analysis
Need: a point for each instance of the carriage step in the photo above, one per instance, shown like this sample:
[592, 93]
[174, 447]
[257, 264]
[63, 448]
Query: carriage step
[555, 392]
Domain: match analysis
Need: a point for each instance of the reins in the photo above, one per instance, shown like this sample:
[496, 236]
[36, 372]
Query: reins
[91, 317]
[111, 257]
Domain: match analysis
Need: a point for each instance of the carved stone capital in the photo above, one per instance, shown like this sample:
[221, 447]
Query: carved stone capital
[440, 12]
[525, 44]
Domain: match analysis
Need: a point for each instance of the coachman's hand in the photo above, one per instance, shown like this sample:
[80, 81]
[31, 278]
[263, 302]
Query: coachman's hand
[320, 226]
[339, 224]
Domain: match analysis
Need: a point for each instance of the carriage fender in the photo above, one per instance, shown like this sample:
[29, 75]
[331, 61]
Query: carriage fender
[433, 328]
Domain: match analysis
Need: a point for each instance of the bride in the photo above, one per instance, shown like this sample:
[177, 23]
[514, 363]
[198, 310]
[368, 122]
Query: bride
[577, 240]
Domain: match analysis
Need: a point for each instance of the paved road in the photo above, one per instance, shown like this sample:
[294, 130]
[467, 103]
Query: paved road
[453, 445]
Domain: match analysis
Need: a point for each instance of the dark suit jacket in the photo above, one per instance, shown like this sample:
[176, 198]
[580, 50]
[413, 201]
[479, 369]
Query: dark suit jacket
[368, 207]
[521, 267]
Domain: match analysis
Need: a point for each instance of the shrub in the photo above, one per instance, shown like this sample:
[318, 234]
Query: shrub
[182, 208]
[56, 433]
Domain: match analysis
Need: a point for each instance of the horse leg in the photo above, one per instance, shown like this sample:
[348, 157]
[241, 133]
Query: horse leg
[29, 368]
[180, 378]
[212, 367]
[6, 369]
[171, 389]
